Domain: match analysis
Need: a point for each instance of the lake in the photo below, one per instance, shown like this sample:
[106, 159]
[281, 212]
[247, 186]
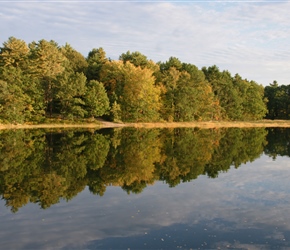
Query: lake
[129, 188]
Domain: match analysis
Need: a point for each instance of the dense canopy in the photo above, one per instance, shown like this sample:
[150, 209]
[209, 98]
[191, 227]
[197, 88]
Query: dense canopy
[41, 80]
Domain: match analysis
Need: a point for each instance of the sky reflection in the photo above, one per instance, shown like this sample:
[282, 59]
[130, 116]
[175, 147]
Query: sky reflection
[242, 208]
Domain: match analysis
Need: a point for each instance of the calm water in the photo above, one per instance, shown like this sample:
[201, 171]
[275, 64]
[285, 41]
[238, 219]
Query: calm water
[145, 189]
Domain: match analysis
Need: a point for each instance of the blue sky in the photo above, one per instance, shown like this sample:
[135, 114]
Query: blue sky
[251, 38]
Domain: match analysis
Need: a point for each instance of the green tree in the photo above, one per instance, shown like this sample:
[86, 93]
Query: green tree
[96, 99]
[68, 94]
[254, 104]
[226, 93]
[272, 104]
[14, 53]
[253, 100]
[46, 63]
[138, 60]
[96, 60]
[21, 96]
[186, 95]
[278, 101]
[172, 62]
[169, 81]
[133, 91]
[12, 103]
[112, 77]
[194, 100]
[139, 98]
[75, 60]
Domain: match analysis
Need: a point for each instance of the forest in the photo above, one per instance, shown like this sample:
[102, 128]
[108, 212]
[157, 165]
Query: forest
[42, 80]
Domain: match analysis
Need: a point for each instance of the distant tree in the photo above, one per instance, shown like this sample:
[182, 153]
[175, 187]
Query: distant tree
[75, 60]
[43, 78]
[169, 81]
[172, 62]
[14, 53]
[252, 96]
[68, 94]
[96, 59]
[224, 90]
[112, 77]
[12, 103]
[21, 94]
[133, 90]
[138, 97]
[96, 99]
[255, 107]
[186, 95]
[278, 101]
[194, 100]
[46, 63]
[138, 60]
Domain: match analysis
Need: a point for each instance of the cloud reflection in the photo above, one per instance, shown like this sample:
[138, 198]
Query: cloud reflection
[253, 199]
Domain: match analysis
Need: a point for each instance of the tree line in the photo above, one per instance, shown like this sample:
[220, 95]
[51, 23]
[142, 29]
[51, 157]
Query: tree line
[278, 104]
[41, 80]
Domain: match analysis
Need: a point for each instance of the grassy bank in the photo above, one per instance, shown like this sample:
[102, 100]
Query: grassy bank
[215, 124]
[105, 124]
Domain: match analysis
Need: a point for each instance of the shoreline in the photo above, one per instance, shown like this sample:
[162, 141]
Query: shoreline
[107, 124]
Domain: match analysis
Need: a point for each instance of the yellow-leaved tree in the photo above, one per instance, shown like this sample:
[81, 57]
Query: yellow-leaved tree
[132, 92]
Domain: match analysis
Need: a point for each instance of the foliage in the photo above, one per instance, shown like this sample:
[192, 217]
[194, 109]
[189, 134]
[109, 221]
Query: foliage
[186, 95]
[278, 101]
[132, 89]
[43, 79]
[21, 97]
[14, 53]
[239, 99]
[12, 103]
[138, 60]
[96, 99]
[75, 60]
[96, 59]
[68, 95]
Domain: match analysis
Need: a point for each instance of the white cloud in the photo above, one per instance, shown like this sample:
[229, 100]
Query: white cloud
[249, 38]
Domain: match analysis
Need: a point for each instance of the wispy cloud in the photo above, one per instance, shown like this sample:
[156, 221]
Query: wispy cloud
[250, 38]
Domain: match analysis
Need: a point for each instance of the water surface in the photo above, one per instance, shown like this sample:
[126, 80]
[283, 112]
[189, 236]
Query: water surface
[145, 189]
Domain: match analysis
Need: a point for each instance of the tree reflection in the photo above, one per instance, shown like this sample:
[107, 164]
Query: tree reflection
[236, 146]
[131, 160]
[278, 142]
[185, 153]
[44, 167]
